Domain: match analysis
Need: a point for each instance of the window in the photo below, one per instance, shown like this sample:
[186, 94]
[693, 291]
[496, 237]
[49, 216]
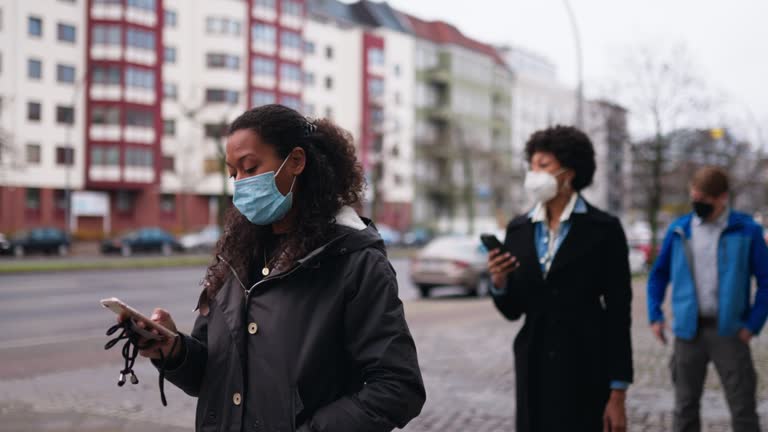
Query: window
[221, 96]
[102, 115]
[140, 78]
[263, 33]
[309, 78]
[140, 39]
[329, 83]
[329, 52]
[33, 199]
[139, 118]
[261, 97]
[65, 32]
[211, 166]
[169, 127]
[215, 130]
[65, 73]
[105, 156]
[376, 57]
[267, 4]
[170, 91]
[139, 157]
[290, 7]
[263, 66]
[65, 114]
[107, 75]
[309, 47]
[169, 18]
[169, 164]
[60, 199]
[292, 102]
[289, 39]
[108, 2]
[167, 203]
[397, 70]
[222, 61]
[223, 26]
[329, 113]
[34, 110]
[290, 72]
[33, 153]
[106, 35]
[35, 26]
[34, 69]
[397, 99]
[65, 156]
[376, 87]
[169, 55]
[142, 4]
[124, 201]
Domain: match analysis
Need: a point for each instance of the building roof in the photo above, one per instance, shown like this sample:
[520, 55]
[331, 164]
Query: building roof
[445, 33]
[364, 12]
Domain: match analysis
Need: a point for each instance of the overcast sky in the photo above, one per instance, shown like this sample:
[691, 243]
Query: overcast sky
[727, 39]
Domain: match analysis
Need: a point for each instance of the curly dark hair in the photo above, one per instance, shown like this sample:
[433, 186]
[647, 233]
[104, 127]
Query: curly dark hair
[571, 147]
[332, 178]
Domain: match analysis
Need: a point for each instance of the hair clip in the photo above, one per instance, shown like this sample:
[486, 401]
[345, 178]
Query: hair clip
[309, 127]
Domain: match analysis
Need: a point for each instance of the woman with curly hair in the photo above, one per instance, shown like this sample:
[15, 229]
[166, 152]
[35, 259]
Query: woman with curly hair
[566, 268]
[300, 326]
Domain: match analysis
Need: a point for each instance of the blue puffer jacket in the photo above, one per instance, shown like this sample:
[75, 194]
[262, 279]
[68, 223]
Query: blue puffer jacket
[742, 252]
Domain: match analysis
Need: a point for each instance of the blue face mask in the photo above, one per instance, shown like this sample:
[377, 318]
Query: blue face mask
[259, 200]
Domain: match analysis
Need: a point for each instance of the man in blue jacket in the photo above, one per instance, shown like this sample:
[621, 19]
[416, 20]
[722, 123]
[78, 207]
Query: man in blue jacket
[710, 257]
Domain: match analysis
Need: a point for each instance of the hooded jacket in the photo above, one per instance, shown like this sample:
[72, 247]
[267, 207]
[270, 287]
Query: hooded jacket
[321, 346]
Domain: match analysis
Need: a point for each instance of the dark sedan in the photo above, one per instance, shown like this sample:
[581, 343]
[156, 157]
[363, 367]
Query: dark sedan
[40, 240]
[142, 240]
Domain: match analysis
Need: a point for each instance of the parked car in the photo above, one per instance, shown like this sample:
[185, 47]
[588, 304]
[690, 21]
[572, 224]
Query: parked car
[5, 245]
[142, 240]
[390, 235]
[201, 241]
[417, 237]
[40, 240]
[456, 260]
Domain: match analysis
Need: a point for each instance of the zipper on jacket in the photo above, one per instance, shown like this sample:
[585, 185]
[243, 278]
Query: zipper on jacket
[247, 291]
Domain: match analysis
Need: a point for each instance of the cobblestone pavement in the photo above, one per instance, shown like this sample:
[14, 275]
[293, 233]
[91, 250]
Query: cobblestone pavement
[465, 353]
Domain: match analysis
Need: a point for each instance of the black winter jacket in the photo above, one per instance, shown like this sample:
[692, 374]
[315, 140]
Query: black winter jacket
[322, 346]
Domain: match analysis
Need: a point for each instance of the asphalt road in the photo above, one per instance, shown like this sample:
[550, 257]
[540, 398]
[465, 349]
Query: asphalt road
[54, 322]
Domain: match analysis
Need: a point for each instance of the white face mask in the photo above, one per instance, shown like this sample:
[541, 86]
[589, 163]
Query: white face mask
[541, 186]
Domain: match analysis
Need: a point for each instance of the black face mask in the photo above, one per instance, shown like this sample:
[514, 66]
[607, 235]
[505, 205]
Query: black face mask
[703, 210]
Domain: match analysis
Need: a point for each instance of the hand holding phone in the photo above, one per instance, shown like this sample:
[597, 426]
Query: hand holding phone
[161, 324]
[500, 261]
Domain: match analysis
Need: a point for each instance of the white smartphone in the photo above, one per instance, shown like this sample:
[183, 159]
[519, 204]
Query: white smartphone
[118, 307]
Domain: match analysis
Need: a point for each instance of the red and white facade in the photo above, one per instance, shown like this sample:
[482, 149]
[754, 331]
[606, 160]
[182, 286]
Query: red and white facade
[125, 100]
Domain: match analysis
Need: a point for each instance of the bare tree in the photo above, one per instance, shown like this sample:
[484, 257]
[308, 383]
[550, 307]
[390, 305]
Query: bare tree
[663, 93]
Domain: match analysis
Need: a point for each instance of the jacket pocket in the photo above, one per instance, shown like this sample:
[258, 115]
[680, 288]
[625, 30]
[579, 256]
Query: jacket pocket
[297, 406]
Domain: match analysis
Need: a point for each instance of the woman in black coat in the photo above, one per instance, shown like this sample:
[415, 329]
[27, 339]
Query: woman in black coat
[300, 326]
[565, 267]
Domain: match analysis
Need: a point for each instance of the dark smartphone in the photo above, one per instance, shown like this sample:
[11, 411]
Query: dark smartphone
[491, 242]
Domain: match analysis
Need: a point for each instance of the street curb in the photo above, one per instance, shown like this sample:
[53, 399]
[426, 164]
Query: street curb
[48, 266]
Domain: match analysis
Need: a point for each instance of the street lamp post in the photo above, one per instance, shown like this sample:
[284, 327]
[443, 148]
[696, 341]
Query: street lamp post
[579, 66]
[69, 159]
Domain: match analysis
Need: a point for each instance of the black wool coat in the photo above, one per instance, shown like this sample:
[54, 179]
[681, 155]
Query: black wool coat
[320, 347]
[576, 336]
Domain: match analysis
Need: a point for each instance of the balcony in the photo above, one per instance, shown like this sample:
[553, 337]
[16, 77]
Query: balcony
[141, 16]
[440, 73]
[439, 113]
[106, 92]
[440, 147]
[107, 12]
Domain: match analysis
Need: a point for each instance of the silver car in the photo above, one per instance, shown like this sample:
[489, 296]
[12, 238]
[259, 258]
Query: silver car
[452, 261]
